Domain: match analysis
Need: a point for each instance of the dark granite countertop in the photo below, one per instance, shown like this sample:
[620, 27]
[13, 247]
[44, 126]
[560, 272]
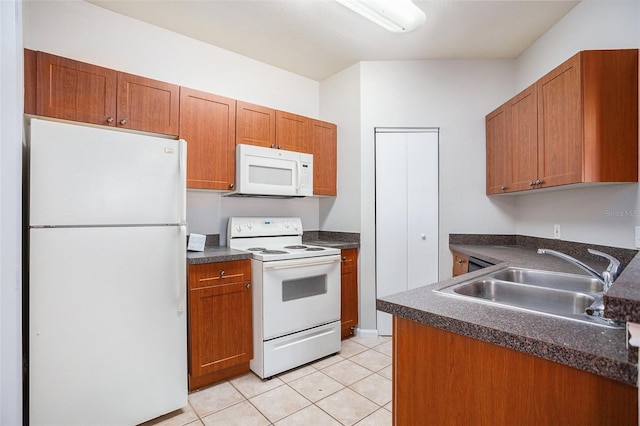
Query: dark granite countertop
[593, 348]
[216, 254]
[213, 252]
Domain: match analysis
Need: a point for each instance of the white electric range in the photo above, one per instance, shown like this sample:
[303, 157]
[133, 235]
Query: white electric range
[296, 293]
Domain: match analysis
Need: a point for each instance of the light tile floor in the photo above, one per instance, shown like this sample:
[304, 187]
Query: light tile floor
[350, 388]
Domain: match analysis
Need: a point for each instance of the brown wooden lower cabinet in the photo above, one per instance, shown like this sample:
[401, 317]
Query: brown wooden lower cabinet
[220, 325]
[349, 293]
[442, 378]
[460, 263]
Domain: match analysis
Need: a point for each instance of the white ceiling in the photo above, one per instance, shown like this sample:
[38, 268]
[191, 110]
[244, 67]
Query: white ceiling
[318, 38]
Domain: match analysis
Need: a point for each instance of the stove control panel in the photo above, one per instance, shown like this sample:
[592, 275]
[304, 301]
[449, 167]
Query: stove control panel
[239, 227]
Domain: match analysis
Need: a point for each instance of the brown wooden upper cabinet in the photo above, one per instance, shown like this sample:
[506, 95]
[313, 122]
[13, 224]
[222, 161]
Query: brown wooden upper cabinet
[77, 91]
[324, 150]
[208, 124]
[292, 132]
[255, 125]
[147, 105]
[577, 124]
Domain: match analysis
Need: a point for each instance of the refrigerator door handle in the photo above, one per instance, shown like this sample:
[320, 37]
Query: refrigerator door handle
[182, 202]
[181, 279]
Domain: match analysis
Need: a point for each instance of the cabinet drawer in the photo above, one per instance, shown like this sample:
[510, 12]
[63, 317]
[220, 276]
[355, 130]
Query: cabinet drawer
[219, 273]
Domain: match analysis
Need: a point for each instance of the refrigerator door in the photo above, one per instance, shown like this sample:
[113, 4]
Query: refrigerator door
[107, 329]
[83, 175]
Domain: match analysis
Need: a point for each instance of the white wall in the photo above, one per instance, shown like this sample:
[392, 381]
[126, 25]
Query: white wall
[340, 104]
[454, 96]
[603, 215]
[11, 106]
[83, 31]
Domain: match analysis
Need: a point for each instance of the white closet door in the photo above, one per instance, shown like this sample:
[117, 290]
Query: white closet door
[406, 213]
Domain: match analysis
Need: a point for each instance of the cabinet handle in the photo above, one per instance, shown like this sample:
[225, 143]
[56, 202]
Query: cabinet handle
[279, 146]
[504, 188]
[231, 185]
[109, 119]
[273, 145]
[532, 183]
[123, 121]
[344, 258]
[248, 285]
[222, 273]
[538, 182]
[460, 261]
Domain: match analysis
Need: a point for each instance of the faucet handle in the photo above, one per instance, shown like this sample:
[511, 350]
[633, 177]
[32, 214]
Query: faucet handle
[614, 264]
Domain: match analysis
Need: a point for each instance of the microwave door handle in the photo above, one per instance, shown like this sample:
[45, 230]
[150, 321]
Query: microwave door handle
[298, 171]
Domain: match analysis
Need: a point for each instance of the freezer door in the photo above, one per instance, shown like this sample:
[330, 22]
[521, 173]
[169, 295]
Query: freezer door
[83, 175]
[107, 325]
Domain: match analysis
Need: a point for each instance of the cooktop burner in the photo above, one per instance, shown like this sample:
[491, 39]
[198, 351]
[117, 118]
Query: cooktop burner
[274, 252]
[295, 247]
[315, 248]
[256, 249]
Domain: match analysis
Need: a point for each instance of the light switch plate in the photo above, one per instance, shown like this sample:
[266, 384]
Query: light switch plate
[556, 232]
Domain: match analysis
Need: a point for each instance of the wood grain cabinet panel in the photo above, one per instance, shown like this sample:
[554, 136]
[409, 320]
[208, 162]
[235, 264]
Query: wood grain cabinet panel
[522, 138]
[349, 292]
[220, 322]
[30, 81]
[292, 132]
[147, 105]
[460, 263]
[325, 156]
[498, 155]
[451, 379]
[74, 90]
[208, 124]
[255, 125]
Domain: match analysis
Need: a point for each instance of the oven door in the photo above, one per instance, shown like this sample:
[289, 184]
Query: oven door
[298, 294]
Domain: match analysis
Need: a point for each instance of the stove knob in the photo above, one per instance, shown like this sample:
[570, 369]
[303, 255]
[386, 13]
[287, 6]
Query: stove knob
[250, 225]
[239, 228]
[286, 224]
[295, 226]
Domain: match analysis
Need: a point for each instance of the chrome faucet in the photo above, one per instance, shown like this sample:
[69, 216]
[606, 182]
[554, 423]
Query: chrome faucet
[606, 277]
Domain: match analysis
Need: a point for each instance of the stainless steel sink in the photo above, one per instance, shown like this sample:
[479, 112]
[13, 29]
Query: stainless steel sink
[550, 293]
[570, 282]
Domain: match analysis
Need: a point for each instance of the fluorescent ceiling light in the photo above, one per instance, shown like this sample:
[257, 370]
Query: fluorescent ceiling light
[398, 16]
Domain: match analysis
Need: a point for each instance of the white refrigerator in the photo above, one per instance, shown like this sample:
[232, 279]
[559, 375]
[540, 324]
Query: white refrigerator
[106, 275]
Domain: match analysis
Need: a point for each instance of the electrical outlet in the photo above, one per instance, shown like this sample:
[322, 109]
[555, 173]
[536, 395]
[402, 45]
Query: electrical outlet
[556, 232]
[637, 236]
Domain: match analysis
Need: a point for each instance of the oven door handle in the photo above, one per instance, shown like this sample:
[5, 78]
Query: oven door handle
[299, 263]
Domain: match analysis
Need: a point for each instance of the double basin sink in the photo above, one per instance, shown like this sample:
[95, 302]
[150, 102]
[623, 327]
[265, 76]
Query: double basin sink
[552, 293]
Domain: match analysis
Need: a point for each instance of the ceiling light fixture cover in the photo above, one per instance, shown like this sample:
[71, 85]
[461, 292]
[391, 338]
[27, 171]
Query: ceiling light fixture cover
[398, 16]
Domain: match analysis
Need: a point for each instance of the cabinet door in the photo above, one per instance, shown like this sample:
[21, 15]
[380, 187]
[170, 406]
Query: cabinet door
[560, 125]
[498, 158]
[292, 131]
[73, 90]
[349, 294]
[324, 143]
[147, 105]
[220, 324]
[522, 138]
[255, 125]
[30, 81]
[208, 124]
[460, 263]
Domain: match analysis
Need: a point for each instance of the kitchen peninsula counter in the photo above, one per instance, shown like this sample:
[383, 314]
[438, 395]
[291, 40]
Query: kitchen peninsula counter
[592, 348]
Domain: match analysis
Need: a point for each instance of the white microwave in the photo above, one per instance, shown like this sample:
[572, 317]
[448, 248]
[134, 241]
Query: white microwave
[262, 172]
